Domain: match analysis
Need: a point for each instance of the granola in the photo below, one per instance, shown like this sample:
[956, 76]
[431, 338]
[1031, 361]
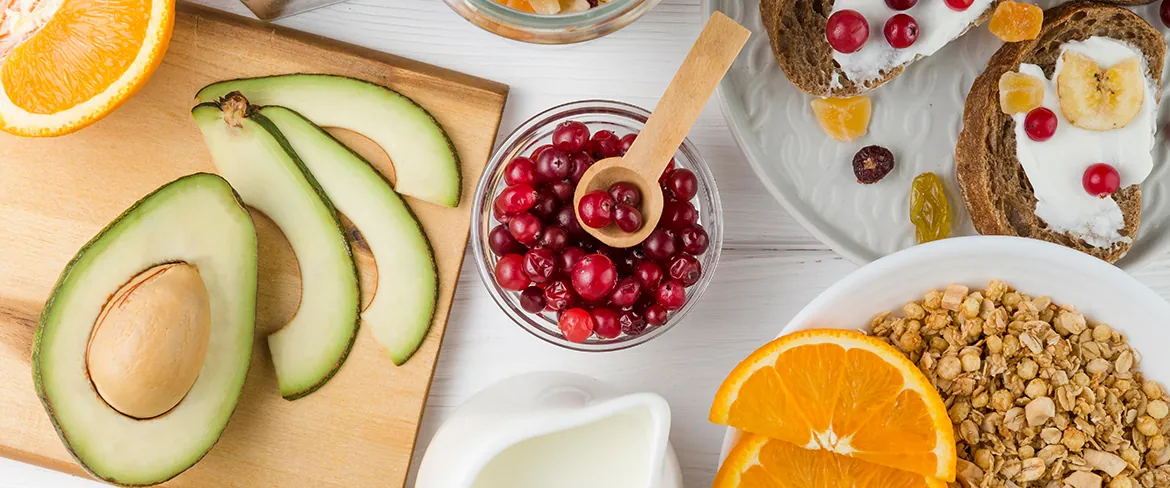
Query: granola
[1040, 396]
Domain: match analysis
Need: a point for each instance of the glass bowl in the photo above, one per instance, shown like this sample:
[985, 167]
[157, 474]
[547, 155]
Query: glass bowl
[621, 118]
[508, 22]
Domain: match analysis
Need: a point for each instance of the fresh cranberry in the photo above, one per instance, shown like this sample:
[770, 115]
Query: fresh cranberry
[682, 184]
[532, 299]
[625, 192]
[605, 323]
[901, 31]
[541, 264]
[581, 163]
[661, 245]
[568, 221]
[627, 218]
[546, 204]
[515, 199]
[570, 136]
[553, 165]
[1164, 12]
[670, 167]
[1040, 124]
[501, 242]
[671, 294]
[678, 215]
[655, 315]
[847, 31]
[569, 257]
[525, 228]
[540, 150]
[901, 4]
[648, 274]
[510, 272]
[685, 268]
[632, 323]
[604, 144]
[499, 215]
[625, 142]
[1101, 180]
[596, 209]
[520, 170]
[594, 277]
[959, 5]
[563, 190]
[628, 261]
[559, 295]
[626, 292]
[576, 325]
[694, 240]
[554, 238]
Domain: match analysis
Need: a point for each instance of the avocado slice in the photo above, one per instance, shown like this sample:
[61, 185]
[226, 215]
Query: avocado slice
[259, 163]
[426, 164]
[196, 220]
[403, 303]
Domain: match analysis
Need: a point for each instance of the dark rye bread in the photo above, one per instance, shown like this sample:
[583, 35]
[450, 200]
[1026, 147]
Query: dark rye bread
[994, 187]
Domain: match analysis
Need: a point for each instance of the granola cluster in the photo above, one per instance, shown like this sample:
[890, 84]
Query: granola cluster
[1039, 396]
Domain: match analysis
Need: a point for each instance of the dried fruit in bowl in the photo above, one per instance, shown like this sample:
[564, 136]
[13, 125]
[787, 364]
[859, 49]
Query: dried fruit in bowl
[844, 119]
[1015, 21]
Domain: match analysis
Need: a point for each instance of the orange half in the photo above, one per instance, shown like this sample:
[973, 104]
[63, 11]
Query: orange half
[845, 392]
[759, 462]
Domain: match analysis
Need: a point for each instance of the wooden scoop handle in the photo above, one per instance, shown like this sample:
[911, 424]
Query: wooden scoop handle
[677, 110]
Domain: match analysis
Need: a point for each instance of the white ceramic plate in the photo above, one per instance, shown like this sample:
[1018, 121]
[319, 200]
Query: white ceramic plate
[1102, 292]
[917, 116]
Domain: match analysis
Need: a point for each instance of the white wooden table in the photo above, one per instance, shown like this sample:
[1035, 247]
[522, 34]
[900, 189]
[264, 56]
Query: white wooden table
[770, 268]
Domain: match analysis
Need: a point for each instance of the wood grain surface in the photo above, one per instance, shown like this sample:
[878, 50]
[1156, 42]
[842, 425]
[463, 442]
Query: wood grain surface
[55, 194]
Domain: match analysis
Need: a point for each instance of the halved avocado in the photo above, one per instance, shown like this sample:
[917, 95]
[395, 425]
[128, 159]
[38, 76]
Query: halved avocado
[426, 164]
[196, 221]
[403, 304]
[260, 164]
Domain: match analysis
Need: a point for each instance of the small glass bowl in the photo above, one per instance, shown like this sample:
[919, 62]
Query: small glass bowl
[621, 118]
[505, 21]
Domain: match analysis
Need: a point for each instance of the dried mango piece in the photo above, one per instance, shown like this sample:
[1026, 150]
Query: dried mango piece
[844, 119]
[1019, 92]
[1015, 21]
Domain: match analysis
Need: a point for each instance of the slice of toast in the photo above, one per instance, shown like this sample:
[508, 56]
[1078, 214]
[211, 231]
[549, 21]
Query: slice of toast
[994, 186]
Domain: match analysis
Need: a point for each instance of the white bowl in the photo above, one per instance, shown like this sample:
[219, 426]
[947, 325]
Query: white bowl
[1100, 290]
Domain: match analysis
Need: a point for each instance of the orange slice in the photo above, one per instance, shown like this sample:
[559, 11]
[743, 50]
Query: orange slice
[65, 64]
[760, 462]
[845, 392]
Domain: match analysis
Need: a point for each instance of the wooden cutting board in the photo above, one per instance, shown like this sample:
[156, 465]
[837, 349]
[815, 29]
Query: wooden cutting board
[55, 194]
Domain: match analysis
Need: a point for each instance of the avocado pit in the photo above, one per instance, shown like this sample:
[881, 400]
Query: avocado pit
[149, 341]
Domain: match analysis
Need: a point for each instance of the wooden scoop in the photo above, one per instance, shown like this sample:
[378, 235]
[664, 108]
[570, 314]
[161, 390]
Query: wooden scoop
[709, 59]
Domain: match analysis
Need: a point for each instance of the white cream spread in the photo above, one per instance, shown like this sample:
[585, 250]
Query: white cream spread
[938, 24]
[1055, 167]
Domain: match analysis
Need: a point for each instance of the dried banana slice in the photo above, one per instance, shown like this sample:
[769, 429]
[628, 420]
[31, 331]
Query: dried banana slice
[1099, 99]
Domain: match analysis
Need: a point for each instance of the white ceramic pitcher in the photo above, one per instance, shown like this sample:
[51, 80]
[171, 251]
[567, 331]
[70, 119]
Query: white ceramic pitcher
[553, 429]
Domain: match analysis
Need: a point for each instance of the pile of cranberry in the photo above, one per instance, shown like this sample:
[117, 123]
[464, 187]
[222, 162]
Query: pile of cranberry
[557, 267]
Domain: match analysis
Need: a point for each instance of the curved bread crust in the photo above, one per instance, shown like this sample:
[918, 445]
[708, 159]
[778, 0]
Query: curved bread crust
[995, 189]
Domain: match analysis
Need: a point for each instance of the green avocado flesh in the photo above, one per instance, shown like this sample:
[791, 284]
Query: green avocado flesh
[426, 164]
[196, 219]
[257, 160]
[403, 303]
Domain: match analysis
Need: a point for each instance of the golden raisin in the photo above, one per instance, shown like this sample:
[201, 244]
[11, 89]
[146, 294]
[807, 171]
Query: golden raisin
[1015, 21]
[1019, 93]
[929, 210]
[844, 119]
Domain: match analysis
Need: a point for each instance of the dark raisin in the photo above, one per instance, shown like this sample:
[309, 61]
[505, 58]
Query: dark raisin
[872, 163]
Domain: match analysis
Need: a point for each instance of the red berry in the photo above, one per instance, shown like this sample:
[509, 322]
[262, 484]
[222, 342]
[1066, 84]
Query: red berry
[901, 31]
[626, 292]
[661, 245]
[520, 170]
[604, 144]
[515, 199]
[694, 240]
[570, 136]
[540, 150]
[546, 204]
[847, 31]
[553, 165]
[959, 5]
[671, 294]
[685, 268]
[576, 325]
[596, 209]
[626, 192]
[525, 228]
[1040, 124]
[563, 190]
[627, 218]
[581, 163]
[501, 242]
[1164, 12]
[605, 323]
[1101, 180]
[901, 4]
[626, 141]
[632, 323]
[594, 277]
[559, 295]
[540, 264]
[567, 220]
[666, 173]
[655, 315]
[678, 215]
[554, 238]
[569, 257]
[510, 272]
[648, 274]
[532, 300]
[682, 184]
